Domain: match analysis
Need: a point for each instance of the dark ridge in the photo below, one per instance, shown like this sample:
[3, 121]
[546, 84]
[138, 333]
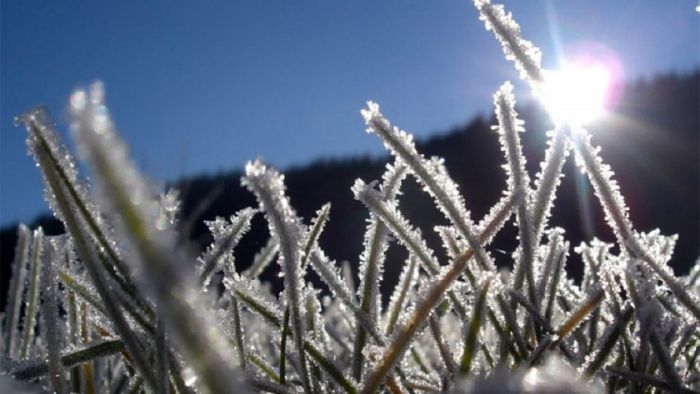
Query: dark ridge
[651, 142]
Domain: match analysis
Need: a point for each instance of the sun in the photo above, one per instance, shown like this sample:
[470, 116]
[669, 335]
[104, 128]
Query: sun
[576, 94]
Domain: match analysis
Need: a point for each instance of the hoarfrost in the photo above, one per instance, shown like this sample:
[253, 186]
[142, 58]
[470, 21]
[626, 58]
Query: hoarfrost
[226, 234]
[397, 223]
[526, 56]
[431, 174]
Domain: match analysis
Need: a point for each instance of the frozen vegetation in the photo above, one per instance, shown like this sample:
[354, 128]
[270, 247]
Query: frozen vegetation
[116, 305]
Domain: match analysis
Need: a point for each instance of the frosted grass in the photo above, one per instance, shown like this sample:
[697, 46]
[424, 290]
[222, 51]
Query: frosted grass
[116, 305]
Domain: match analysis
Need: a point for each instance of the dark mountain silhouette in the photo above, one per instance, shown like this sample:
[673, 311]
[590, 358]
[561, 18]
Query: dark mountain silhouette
[652, 142]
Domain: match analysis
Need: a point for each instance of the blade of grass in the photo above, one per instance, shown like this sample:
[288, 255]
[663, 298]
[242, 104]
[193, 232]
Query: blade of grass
[509, 126]
[88, 380]
[432, 175]
[447, 360]
[580, 314]
[372, 262]
[665, 362]
[512, 325]
[262, 259]
[406, 281]
[127, 196]
[406, 332]
[51, 320]
[88, 257]
[33, 369]
[161, 357]
[268, 186]
[330, 368]
[283, 348]
[470, 340]
[610, 339]
[37, 128]
[31, 307]
[16, 290]
[648, 379]
[274, 318]
[265, 368]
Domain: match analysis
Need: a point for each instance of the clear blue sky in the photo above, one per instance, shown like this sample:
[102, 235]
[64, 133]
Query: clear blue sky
[204, 86]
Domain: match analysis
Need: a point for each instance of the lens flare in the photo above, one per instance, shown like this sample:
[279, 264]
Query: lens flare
[576, 94]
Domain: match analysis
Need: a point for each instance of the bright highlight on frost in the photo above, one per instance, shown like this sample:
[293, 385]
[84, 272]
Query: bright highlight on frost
[576, 94]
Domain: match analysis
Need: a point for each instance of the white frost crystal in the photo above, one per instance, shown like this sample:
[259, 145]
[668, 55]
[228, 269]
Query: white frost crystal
[526, 56]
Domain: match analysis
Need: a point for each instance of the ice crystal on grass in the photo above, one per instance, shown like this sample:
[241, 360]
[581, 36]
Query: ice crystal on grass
[397, 223]
[169, 209]
[285, 226]
[332, 277]
[41, 136]
[263, 259]
[376, 242]
[31, 305]
[548, 179]
[509, 128]
[526, 56]
[431, 174]
[400, 295]
[79, 320]
[50, 322]
[606, 188]
[14, 299]
[227, 234]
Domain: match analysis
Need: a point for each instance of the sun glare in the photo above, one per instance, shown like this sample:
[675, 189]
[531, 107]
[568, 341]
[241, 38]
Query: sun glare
[576, 94]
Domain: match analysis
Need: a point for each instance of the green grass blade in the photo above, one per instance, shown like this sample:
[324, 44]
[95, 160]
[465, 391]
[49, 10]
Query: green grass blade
[470, 341]
[283, 348]
[31, 307]
[35, 368]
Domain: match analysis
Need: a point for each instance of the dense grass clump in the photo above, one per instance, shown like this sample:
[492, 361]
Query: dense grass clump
[116, 304]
